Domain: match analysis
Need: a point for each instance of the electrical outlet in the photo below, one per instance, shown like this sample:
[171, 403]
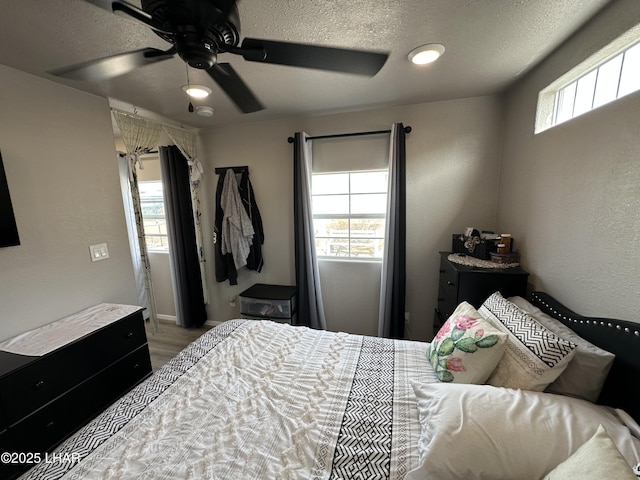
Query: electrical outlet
[232, 301]
[407, 318]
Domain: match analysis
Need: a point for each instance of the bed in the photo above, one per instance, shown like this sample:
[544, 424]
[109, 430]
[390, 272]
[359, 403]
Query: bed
[263, 400]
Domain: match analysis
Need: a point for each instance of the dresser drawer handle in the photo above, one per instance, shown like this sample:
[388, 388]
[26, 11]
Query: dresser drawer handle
[442, 271]
[136, 366]
[39, 384]
[50, 425]
[129, 334]
[450, 283]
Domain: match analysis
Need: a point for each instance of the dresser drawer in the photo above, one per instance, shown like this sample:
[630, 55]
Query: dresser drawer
[477, 286]
[447, 288]
[44, 429]
[29, 388]
[448, 274]
[3, 423]
[7, 469]
[458, 283]
[447, 300]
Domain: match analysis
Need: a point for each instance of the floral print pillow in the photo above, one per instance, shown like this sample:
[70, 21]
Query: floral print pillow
[467, 348]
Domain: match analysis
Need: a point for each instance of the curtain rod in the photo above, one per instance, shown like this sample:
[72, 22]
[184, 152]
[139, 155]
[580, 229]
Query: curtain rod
[145, 152]
[356, 134]
[162, 124]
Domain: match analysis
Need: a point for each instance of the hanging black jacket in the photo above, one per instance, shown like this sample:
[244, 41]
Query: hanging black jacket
[224, 267]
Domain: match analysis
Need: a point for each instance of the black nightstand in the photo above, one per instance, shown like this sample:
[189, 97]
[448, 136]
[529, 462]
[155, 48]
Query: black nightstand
[460, 283]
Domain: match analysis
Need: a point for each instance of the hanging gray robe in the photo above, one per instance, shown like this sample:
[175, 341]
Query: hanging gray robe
[237, 230]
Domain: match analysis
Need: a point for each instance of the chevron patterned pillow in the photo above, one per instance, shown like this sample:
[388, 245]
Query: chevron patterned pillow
[534, 357]
[586, 373]
[467, 348]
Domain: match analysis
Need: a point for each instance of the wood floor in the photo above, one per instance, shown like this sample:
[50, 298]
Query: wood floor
[169, 340]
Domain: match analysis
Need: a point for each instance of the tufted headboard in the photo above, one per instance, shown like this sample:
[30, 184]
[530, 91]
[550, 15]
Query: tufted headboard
[620, 337]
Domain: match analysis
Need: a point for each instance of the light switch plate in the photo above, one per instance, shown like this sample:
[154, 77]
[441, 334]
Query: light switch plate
[99, 252]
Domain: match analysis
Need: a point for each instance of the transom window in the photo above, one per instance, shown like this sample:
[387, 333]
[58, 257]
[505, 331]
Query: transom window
[617, 77]
[349, 211]
[154, 221]
[599, 80]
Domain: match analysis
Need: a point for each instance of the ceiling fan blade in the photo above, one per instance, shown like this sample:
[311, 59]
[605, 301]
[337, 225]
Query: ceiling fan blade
[311, 56]
[225, 76]
[113, 66]
[126, 9]
[104, 4]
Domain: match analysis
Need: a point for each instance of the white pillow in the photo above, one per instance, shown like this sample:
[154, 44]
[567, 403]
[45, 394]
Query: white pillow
[467, 348]
[482, 432]
[586, 373]
[534, 356]
[597, 459]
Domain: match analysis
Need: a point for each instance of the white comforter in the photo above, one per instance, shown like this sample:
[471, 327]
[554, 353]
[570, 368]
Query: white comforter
[261, 400]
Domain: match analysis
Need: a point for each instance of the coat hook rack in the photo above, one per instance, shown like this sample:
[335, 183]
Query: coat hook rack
[241, 169]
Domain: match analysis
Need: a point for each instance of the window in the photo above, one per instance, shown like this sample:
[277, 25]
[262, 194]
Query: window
[349, 212]
[155, 223]
[615, 78]
[599, 80]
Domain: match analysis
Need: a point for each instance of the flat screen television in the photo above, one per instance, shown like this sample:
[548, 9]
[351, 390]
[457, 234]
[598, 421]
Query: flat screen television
[8, 229]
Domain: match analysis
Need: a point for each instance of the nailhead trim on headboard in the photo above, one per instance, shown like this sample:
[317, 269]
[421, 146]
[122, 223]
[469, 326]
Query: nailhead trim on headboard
[574, 320]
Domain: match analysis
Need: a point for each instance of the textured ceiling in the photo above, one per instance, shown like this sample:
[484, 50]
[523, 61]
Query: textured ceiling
[489, 44]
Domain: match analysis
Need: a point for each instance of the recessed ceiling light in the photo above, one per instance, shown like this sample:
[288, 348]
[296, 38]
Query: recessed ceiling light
[204, 111]
[196, 91]
[426, 53]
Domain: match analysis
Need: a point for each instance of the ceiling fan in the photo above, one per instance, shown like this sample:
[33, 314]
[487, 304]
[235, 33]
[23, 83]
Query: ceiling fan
[200, 30]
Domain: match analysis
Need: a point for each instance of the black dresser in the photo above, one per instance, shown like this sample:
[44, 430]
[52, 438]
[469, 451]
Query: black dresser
[460, 283]
[44, 399]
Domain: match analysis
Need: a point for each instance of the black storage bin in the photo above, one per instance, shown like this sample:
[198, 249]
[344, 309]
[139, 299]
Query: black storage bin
[269, 302]
[482, 248]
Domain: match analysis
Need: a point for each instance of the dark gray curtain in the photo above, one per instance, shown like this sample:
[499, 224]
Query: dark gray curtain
[187, 279]
[393, 281]
[310, 309]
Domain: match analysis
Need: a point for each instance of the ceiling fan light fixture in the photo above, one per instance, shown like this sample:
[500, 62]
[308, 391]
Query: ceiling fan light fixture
[426, 53]
[204, 111]
[196, 91]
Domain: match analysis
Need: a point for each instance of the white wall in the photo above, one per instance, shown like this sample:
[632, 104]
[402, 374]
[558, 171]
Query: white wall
[571, 194]
[58, 151]
[452, 181]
